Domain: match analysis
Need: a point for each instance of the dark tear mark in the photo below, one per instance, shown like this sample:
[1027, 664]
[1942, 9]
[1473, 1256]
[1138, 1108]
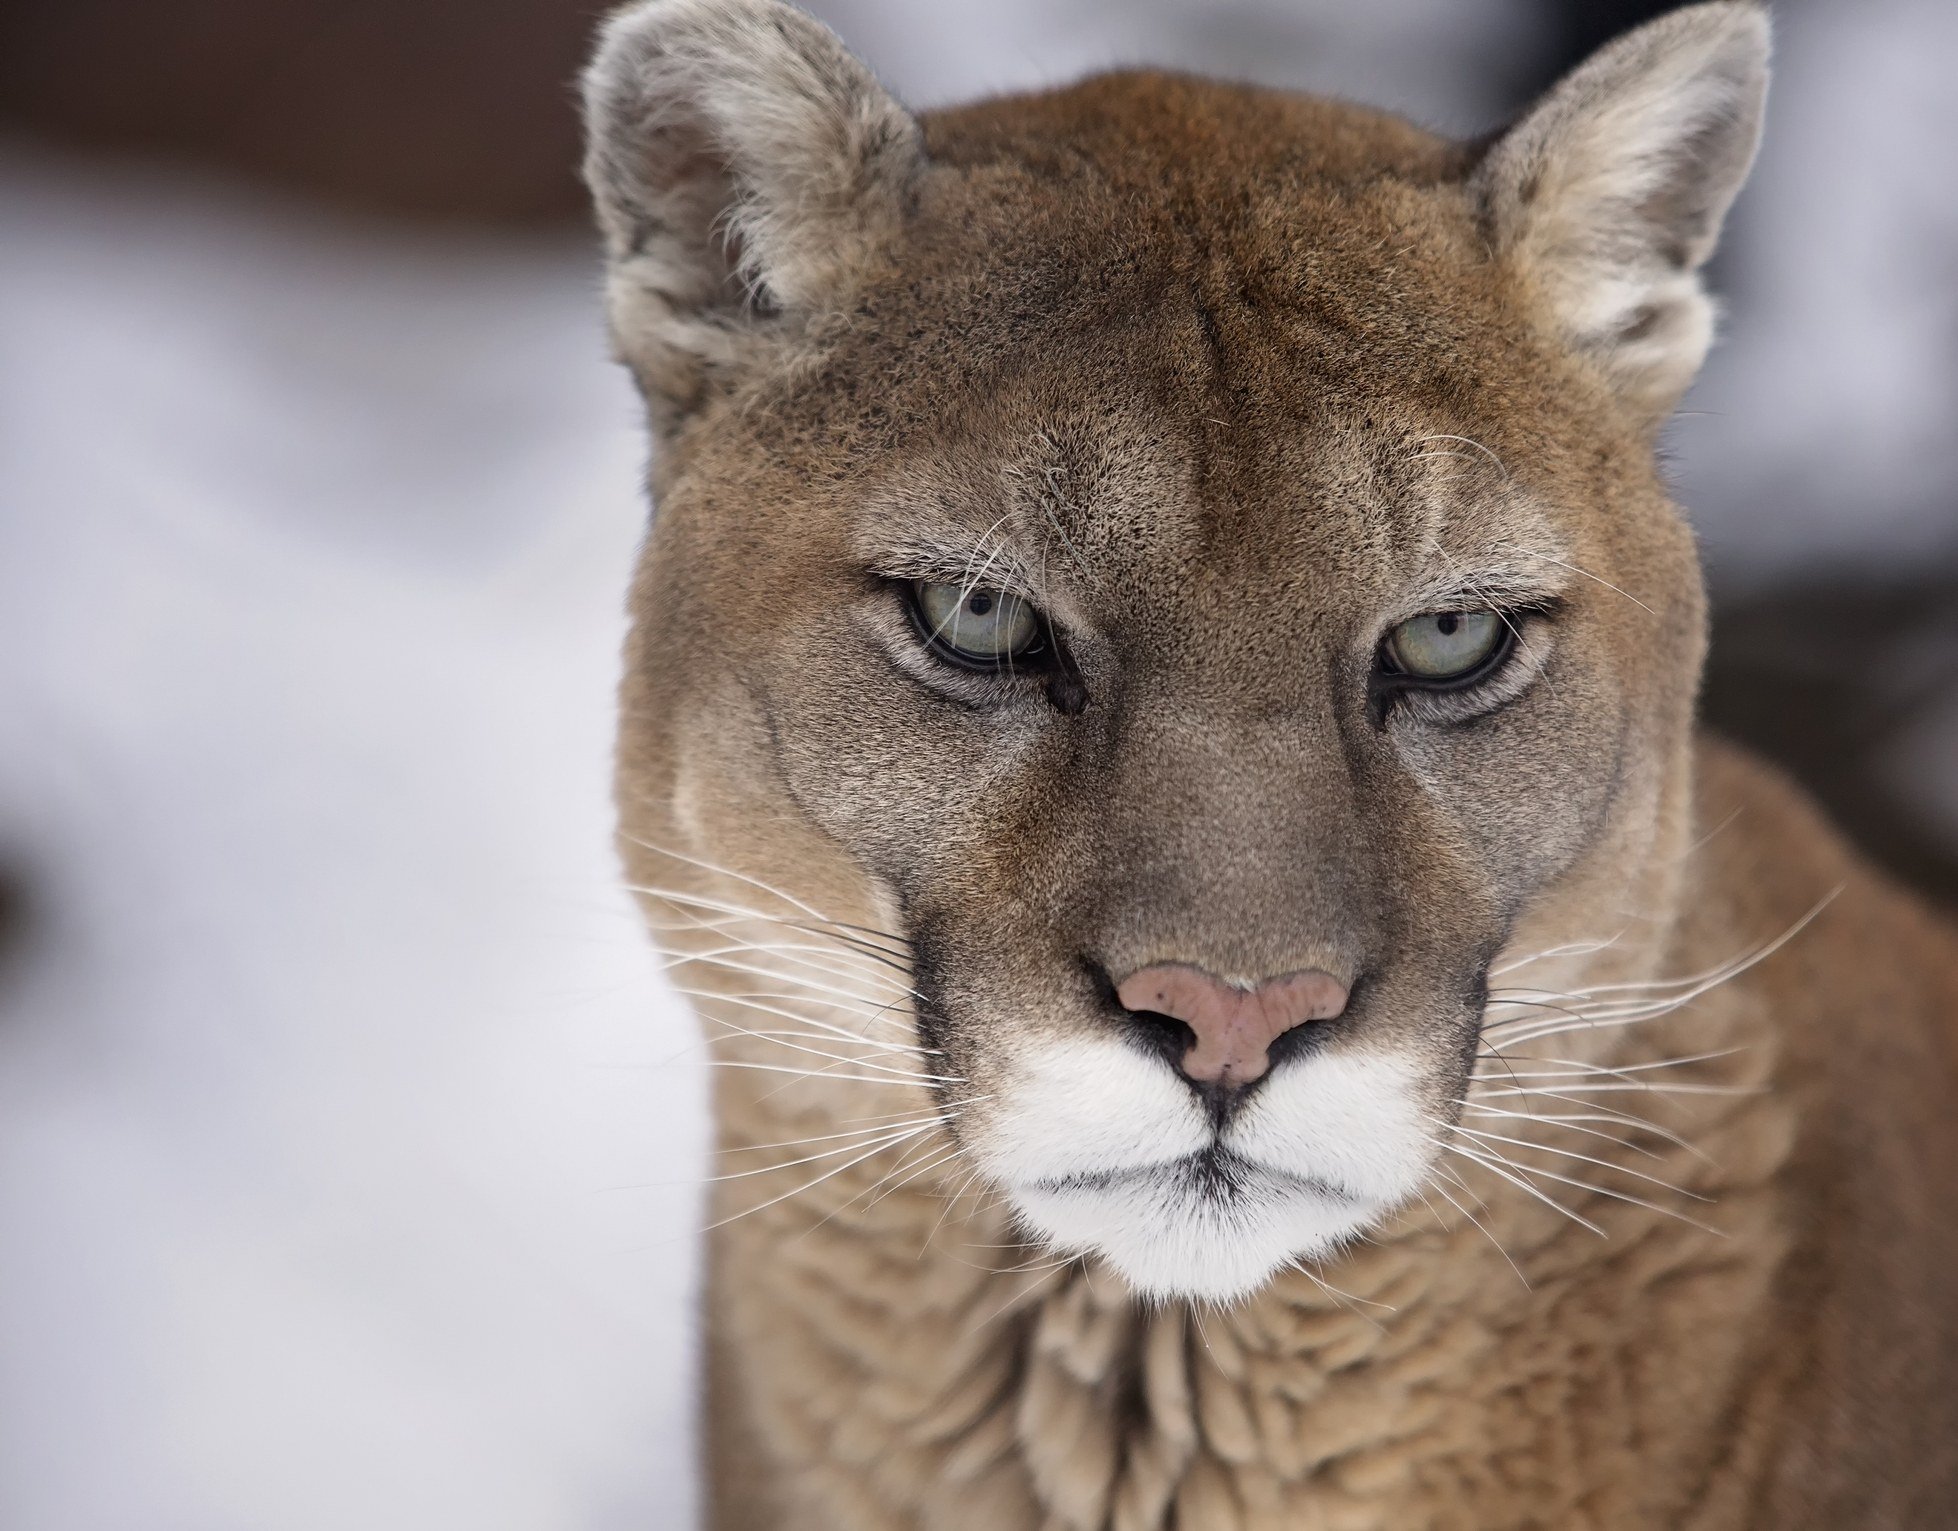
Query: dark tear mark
[1213, 335]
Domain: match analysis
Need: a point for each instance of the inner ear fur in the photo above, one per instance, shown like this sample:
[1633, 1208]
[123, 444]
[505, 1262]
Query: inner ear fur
[744, 166]
[1609, 194]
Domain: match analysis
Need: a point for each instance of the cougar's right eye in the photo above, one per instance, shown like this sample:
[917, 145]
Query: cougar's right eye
[972, 625]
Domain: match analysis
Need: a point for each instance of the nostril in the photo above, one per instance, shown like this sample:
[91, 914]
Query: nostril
[1165, 1034]
[1296, 1042]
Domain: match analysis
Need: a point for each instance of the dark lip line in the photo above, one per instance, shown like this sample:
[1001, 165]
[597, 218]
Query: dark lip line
[1213, 1158]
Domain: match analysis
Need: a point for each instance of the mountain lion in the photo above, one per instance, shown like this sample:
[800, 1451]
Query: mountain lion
[1158, 735]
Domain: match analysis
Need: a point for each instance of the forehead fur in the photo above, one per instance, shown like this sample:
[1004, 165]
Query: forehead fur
[1199, 255]
[1184, 138]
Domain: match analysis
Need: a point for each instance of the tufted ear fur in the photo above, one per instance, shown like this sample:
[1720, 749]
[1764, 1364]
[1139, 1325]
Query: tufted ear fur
[1610, 193]
[744, 166]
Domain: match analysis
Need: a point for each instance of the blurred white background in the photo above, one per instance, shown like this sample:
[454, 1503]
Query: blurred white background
[347, 1135]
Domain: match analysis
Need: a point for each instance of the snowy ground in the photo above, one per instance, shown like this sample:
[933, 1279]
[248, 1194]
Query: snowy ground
[346, 1134]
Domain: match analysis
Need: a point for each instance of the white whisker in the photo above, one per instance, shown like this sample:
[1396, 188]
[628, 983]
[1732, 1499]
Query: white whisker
[806, 1186]
[887, 1124]
[771, 1068]
[758, 1003]
[1572, 1068]
[1565, 1153]
[1476, 1221]
[797, 1041]
[1600, 1190]
[887, 1141]
[1499, 1166]
[1574, 949]
[1644, 1087]
[694, 908]
[1585, 573]
[828, 961]
[1573, 1122]
[1467, 441]
[756, 882]
[686, 899]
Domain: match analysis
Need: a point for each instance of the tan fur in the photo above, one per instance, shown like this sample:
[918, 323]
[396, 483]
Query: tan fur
[1251, 373]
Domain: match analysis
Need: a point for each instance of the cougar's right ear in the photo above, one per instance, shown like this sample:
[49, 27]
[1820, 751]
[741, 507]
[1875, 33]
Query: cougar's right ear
[745, 167]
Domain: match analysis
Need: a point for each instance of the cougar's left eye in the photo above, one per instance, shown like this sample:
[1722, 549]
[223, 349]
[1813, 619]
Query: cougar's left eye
[981, 627]
[1446, 645]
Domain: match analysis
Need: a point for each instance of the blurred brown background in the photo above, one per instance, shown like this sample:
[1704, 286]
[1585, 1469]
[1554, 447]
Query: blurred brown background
[457, 109]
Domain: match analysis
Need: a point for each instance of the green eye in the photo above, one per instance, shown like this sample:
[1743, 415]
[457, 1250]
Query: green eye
[980, 626]
[1445, 645]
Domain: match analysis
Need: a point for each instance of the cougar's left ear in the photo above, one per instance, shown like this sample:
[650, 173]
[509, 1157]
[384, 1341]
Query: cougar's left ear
[745, 166]
[1609, 194]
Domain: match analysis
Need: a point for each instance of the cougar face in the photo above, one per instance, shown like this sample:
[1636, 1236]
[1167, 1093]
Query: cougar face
[1186, 558]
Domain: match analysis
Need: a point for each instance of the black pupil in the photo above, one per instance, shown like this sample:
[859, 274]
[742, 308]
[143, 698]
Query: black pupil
[980, 604]
[1446, 624]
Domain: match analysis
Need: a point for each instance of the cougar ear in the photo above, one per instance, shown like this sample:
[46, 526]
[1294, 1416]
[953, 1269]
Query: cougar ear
[745, 166]
[1609, 194]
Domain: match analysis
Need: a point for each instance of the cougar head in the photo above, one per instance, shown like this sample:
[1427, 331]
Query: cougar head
[1185, 561]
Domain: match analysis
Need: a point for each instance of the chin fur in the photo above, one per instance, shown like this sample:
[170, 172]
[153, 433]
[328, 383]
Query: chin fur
[1190, 1233]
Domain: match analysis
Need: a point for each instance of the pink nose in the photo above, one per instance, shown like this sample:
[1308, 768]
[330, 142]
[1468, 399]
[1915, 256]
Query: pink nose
[1234, 1027]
